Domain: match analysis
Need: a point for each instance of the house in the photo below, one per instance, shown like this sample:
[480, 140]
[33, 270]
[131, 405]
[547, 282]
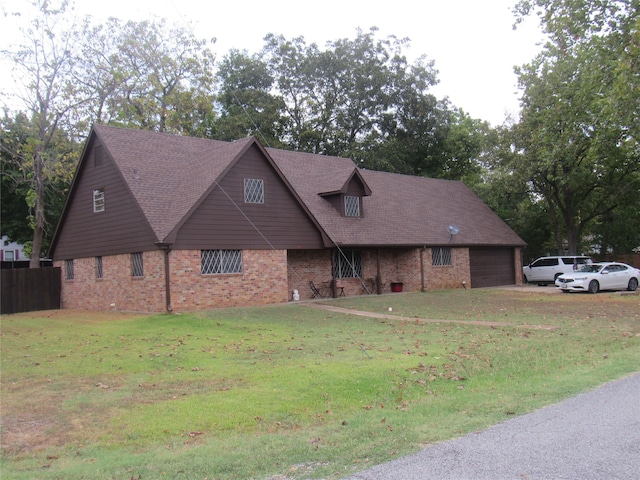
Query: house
[11, 251]
[158, 222]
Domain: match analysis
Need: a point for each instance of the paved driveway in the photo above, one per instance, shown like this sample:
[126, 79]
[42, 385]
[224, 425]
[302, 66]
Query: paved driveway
[594, 436]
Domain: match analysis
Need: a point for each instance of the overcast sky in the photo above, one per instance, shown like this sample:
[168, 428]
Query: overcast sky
[471, 41]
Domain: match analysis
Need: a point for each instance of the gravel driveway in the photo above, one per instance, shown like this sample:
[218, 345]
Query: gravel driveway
[595, 435]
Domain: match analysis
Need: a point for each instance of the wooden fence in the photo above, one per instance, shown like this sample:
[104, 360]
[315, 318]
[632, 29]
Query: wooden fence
[29, 289]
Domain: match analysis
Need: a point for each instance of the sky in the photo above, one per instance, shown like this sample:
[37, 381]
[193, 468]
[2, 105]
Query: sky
[472, 42]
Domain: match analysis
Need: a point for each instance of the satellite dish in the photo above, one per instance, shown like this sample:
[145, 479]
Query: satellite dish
[453, 230]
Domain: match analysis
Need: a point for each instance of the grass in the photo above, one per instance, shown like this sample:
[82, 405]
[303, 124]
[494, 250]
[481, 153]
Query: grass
[290, 391]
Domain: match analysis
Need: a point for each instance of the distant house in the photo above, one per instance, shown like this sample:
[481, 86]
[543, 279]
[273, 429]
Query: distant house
[11, 251]
[158, 222]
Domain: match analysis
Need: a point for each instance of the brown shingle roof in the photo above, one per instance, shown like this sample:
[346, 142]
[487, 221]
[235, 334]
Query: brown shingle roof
[169, 175]
[401, 210]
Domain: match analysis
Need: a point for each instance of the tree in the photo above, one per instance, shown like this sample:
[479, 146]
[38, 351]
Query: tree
[46, 64]
[246, 102]
[509, 193]
[149, 75]
[14, 189]
[71, 74]
[349, 97]
[577, 148]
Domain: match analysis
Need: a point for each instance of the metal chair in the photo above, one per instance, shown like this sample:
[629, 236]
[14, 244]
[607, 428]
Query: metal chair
[314, 291]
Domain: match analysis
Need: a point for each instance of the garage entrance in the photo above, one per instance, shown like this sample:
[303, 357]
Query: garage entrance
[491, 267]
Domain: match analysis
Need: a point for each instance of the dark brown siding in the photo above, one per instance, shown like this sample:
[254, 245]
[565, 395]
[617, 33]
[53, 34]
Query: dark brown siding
[121, 228]
[491, 267]
[219, 222]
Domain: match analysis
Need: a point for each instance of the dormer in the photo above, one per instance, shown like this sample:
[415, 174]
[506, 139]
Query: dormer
[348, 199]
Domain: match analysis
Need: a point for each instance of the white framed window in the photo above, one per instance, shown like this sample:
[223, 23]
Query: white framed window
[68, 268]
[98, 200]
[214, 262]
[137, 265]
[351, 206]
[9, 255]
[441, 256]
[253, 190]
[348, 264]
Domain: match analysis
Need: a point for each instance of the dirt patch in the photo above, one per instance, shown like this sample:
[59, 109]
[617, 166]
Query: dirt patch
[348, 311]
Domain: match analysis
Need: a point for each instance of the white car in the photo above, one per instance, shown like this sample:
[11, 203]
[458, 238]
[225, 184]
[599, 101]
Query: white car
[545, 270]
[600, 276]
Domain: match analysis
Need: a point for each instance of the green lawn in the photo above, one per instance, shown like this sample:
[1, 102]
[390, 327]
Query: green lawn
[291, 391]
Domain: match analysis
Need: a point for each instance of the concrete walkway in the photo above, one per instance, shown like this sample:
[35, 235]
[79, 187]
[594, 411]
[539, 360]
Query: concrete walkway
[593, 436]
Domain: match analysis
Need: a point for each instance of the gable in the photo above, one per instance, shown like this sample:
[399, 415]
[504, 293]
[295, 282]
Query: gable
[223, 220]
[120, 228]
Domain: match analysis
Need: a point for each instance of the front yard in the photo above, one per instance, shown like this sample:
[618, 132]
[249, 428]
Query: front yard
[290, 391]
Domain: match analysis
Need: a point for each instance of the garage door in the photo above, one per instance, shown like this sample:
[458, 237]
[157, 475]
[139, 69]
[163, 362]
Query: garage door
[491, 267]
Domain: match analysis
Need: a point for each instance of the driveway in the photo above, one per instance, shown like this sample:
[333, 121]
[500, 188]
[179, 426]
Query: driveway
[593, 436]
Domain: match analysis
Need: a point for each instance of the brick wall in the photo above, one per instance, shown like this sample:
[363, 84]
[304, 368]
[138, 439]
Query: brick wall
[263, 281]
[268, 276]
[307, 266]
[117, 286]
[397, 265]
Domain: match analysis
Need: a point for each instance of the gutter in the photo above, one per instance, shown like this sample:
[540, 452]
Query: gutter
[166, 248]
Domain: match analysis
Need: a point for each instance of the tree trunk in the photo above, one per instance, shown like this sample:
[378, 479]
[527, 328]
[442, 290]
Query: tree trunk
[38, 230]
[572, 238]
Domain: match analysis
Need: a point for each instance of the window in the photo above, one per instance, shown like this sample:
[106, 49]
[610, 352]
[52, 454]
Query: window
[68, 268]
[441, 256]
[220, 261]
[351, 206]
[253, 190]
[545, 262]
[348, 264]
[98, 267]
[98, 200]
[137, 267]
[8, 255]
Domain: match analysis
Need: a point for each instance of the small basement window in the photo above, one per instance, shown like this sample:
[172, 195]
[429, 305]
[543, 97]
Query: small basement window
[98, 200]
[351, 206]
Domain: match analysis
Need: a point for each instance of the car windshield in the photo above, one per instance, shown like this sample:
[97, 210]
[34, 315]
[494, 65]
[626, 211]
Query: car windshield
[590, 268]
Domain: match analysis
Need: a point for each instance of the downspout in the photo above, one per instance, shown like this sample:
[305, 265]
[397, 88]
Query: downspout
[422, 268]
[378, 277]
[166, 248]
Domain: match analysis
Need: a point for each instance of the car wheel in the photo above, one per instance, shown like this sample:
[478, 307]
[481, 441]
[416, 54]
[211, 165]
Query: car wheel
[633, 284]
[594, 286]
[566, 291]
[525, 279]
